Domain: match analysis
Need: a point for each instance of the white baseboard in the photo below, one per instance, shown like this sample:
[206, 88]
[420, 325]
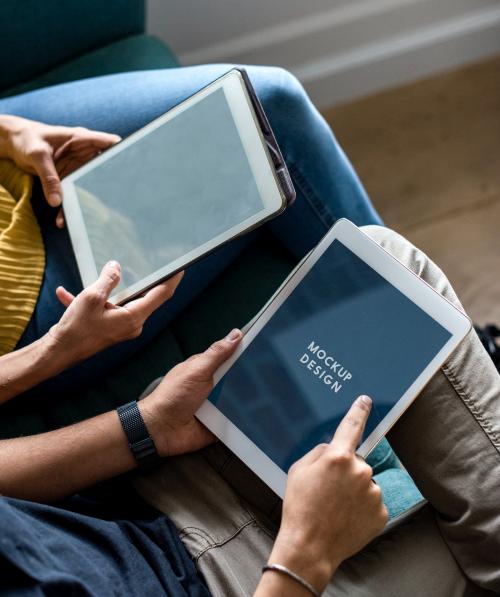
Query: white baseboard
[399, 60]
[365, 46]
[278, 43]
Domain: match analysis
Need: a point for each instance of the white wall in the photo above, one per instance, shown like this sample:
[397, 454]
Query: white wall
[339, 49]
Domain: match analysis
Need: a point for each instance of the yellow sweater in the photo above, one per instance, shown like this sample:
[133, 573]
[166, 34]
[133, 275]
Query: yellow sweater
[22, 255]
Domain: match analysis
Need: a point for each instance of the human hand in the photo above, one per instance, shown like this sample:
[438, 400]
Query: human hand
[169, 410]
[90, 323]
[332, 508]
[51, 152]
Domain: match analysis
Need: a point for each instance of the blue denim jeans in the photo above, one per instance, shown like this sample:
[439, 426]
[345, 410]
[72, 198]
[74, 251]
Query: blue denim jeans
[327, 186]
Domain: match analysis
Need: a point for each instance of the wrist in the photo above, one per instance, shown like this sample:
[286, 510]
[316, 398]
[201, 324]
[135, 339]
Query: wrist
[66, 345]
[153, 413]
[9, 125]
[27, 367]
[138, 435]
[302, 557]
[56, 353]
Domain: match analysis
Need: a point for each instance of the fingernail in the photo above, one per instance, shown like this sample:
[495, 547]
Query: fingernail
[366, 400]
[233, 335]
[113, 264]
[56, 199]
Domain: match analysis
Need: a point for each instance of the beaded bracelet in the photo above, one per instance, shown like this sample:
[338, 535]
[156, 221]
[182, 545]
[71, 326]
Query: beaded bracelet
[284, 570]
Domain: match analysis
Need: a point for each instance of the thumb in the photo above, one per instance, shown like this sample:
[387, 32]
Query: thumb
[108, 280]
[64, 296]
[46, 170]
[218, 353]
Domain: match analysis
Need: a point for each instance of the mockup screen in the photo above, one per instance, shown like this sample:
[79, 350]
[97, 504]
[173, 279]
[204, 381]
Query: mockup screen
[170, 192]
[344, 331]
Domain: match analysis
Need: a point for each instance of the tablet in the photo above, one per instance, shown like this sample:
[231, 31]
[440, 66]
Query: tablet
[203, 173]
[350, 320]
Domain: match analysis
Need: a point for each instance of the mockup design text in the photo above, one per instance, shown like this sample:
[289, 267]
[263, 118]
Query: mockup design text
[325, 367]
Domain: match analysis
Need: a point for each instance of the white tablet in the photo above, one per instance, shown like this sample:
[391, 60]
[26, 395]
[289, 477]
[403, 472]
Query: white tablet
[203, 173]
[350, 320]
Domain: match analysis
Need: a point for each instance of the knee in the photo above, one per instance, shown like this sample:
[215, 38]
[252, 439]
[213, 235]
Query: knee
[413, 258]
[399, 247]
[280, 92]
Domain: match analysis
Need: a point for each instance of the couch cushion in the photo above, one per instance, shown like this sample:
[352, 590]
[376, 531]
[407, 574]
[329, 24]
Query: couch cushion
[138, 52]
[38, 35]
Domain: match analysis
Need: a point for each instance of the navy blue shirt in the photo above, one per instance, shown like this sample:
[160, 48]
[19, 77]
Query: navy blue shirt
[90, 546]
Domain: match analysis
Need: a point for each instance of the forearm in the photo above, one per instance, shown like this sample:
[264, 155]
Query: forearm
[29, 366]
[50, 466]
[53, 465]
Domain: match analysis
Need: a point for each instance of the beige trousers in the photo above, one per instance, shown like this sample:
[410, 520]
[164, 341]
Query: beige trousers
[449, 441]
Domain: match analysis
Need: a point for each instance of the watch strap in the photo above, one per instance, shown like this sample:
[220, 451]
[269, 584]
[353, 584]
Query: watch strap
[140, 442]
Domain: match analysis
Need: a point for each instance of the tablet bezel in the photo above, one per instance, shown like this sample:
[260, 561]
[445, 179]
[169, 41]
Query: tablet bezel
[260, 162]
[400, 276]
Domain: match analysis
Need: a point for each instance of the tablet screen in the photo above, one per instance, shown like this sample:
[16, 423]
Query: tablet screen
[342, 332]
[178, 187]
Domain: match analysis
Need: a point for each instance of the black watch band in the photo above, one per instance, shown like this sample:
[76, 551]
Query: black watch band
[140, 442]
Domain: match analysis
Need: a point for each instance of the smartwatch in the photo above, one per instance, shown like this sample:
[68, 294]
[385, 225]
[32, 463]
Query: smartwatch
[140, 442]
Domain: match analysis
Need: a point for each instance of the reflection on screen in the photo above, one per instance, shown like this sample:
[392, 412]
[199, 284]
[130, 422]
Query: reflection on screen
[173, 190]
[344, 331]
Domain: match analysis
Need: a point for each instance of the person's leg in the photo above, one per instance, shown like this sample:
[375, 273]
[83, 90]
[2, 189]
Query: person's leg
[228, 519]
[449, 442]
[449, 438]
[326, 184]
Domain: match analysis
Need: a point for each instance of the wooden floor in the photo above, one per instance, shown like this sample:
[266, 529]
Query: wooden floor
[429, 156]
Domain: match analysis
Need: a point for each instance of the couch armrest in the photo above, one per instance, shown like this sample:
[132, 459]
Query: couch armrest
[39, 34]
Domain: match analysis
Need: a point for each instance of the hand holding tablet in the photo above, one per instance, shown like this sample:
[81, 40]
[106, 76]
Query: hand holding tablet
[330, 483]
[195, 178]
[91, 323]
[350, 320]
